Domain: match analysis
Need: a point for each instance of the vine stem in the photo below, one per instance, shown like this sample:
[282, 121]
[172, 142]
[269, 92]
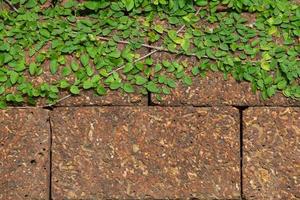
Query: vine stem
[11, 5]
[137, 60]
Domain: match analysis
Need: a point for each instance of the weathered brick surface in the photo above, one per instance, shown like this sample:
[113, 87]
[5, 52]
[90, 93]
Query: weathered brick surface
[214, 90]
[112, 98]
[140, 152]
[24, 150]
[271, 153]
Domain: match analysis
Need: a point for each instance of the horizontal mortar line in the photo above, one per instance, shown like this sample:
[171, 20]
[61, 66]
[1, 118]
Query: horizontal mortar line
[156, 105]
[50, 158]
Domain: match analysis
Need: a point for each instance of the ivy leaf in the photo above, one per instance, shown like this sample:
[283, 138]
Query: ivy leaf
[152, 87]
[13, 76]
[74, 66]
[173, 36]
[129, 4]
[45, 33]
[187, 80]
[64, 84]
[4, 47]
[201, 2]
[74, 89]
[42, 1]
[84, 59]
[271, 91]
[265, 66]
[140, 80]
[92, 5]
[53, 66]
[2, 90]
[185, 44]
[87, 84]
[66, 71]
[128, 88]
[159, 28]
[32, 68]
[101, 90]
[115, 85]
[171, 83]
[128, 67]
[115, 54]
[282, 84]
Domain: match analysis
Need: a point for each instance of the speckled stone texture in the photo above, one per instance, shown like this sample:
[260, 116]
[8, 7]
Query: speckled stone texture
[24, 154]
[145, 152]
[271, 162]
[214, 90]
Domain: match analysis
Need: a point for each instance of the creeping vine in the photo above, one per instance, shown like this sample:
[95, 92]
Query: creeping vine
[49, 48]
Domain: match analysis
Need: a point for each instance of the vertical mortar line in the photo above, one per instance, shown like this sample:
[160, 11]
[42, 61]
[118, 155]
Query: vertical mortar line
[241, 111]
[149, 96]
[50, 159]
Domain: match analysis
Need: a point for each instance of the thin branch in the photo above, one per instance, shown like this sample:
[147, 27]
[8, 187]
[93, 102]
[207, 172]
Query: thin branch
[52, 104]
[11, 5]
[137, 60]
[127, 42]
[181, 28]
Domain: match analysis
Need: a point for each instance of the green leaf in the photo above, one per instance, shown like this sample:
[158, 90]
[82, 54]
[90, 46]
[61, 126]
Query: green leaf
[101, 90]
[159, 28]
[87, 84]
[128, 88]
[74, 89]
[128, 67]
[129, 4]
[84, 59]
[32, 68]
[265, 66]
[201, 2]
[173, 36]
[53, 66]
[115, 54]
[64, 84]
[152, 87]
[14, 76]
[2, 105]
[66, 71]
[171, 83]
[140, 80]
[271, 91]
[195, 71]
[185, 45]
[187, 80]
[45, 33]
[115, 85]
[92, 5]
[2, 90]
[282, 84]
[74, 66]
[4, 47]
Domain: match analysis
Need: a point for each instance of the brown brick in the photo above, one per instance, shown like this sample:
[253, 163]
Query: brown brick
[24, 150]
[214, 90]
[271, 153]
[145, 152]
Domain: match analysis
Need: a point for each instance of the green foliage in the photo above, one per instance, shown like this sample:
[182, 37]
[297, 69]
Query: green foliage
[97, 45]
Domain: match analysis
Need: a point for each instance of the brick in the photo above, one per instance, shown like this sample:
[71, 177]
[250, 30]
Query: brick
[145, 152]
[271, 153]
[24, 153]
[214, 90]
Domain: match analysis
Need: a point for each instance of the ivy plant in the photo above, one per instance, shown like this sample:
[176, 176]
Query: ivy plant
[48, 47]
